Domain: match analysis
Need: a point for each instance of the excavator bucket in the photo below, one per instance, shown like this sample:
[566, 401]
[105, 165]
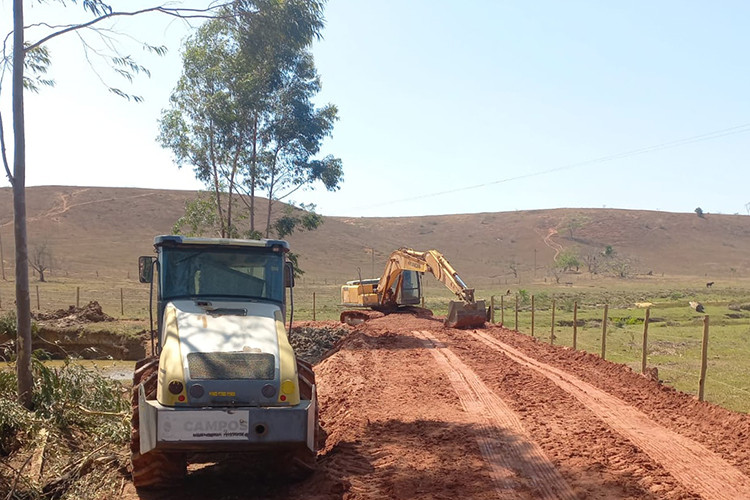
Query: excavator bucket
[463, 315]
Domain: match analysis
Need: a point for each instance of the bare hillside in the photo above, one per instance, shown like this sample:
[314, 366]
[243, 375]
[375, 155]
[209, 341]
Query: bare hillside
[103, 230]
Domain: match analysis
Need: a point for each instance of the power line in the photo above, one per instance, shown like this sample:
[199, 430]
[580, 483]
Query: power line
[739, 129]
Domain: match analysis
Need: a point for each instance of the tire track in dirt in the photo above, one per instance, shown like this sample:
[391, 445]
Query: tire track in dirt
[696, 467]
[515, 459]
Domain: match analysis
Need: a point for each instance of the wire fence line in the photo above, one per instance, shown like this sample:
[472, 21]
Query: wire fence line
[623, 342]
[116, 301]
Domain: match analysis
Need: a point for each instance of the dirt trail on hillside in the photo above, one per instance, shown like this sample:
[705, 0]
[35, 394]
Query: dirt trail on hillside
[416, 410]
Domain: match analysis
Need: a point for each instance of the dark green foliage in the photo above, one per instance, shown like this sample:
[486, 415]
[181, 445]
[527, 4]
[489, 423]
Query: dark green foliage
[200, 218]
[63, 399]
[568, 260]
[9, 325]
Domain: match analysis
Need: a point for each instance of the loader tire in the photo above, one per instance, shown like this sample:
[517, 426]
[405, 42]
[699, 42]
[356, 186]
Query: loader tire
[154, 469]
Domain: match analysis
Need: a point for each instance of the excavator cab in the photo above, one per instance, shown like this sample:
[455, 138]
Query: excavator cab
[407, 290]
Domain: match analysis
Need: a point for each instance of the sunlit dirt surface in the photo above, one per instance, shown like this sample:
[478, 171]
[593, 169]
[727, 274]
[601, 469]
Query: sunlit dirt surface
[416, 410]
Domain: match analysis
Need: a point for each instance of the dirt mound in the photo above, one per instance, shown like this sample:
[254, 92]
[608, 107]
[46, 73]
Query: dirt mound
[62, 318]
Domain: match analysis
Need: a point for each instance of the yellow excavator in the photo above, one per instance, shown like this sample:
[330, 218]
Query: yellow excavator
[401, 286]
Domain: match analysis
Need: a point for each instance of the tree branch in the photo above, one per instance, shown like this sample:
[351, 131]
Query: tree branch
[181, 13]
[2, 151]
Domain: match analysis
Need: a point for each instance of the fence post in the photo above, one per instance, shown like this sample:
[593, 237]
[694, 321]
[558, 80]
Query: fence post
[532, 315]
[575, 325]
[552, 331]
[313, 306]
[492, 309]
[645, 340]
[78, 296]
[37, 298]
[604, 331]
[704, 359]
[122, 303]
[516, 323]
[502, 310]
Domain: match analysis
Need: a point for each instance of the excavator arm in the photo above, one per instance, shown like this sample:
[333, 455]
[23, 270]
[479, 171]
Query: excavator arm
[467, 312]
[406, 259]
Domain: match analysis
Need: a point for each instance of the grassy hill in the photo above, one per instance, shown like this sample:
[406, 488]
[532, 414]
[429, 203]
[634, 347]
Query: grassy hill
[101, 231]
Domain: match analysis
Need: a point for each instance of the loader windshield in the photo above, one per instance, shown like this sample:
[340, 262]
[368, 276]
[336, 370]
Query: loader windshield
[232, 272]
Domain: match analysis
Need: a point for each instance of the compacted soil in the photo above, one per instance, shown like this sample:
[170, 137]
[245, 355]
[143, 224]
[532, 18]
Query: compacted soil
[416, 410]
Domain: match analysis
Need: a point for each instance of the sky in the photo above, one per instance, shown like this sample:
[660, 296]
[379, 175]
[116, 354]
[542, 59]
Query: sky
[453, 107]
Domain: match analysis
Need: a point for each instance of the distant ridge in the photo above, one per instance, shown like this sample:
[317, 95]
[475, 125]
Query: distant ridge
[98, 229]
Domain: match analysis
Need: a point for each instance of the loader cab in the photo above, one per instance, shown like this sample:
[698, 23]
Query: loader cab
[213, 269]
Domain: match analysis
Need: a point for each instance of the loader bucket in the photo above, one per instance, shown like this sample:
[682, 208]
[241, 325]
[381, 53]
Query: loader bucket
[462, 315]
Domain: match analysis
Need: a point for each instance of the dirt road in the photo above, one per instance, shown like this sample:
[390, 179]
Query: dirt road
[416, 410]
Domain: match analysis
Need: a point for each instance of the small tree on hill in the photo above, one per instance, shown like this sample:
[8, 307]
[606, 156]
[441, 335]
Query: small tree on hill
[568, 260]
[699, 212]
[41, 259]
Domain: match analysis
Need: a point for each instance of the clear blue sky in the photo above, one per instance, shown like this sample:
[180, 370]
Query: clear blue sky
[498, 105]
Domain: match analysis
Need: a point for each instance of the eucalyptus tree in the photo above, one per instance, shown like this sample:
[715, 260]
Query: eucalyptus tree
[293, 136]
[241, 113]
[29, 61]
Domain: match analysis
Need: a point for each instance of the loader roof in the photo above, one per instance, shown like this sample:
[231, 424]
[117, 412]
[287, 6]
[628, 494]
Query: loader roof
[177, 240]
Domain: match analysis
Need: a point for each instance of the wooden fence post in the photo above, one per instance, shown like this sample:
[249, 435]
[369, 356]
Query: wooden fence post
[704, 359]
[78, 296]
[37, 298]
[552, 331]
[516, 323]
[313, 306]
[575, 325]
[492, 309]
[122, 303]
[604, 331]
[502, 310]
[532, 315]
[645, 340]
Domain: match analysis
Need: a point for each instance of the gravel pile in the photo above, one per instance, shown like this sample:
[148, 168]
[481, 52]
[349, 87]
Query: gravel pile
[312, 342]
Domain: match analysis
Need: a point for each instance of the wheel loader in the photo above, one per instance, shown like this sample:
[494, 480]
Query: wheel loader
[223, 378]
[401, 286]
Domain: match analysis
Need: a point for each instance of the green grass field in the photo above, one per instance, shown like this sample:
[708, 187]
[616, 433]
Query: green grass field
[674, 333]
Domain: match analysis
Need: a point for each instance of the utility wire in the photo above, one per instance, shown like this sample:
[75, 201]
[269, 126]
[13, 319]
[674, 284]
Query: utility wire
[739, 129]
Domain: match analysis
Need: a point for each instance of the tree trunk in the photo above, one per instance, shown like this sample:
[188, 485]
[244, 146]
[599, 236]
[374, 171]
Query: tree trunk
[253, 173]
[271, 185]
[23, 302]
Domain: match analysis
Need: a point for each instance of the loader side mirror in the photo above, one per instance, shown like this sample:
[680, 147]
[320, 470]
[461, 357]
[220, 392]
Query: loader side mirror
[288, 275]
[145, 269]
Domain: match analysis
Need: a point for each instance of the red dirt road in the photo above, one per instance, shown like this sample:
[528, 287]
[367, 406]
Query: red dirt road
[416, 410]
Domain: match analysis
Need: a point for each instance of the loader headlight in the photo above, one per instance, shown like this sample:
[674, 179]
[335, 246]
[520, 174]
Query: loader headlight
[176, 387]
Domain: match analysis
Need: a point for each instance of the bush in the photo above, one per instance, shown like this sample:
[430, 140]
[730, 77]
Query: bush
[9, 325]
